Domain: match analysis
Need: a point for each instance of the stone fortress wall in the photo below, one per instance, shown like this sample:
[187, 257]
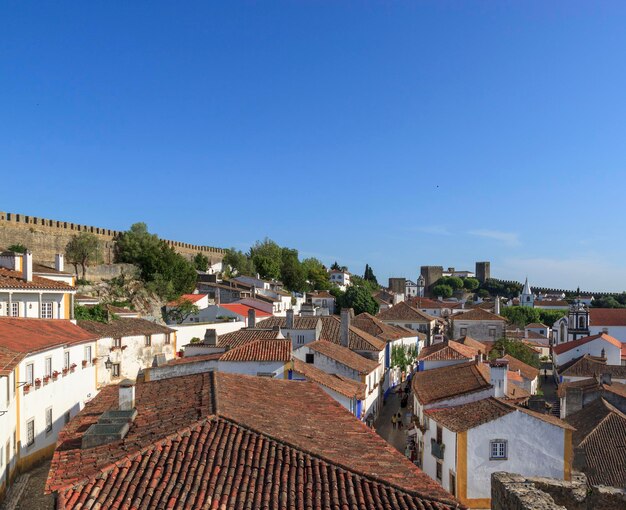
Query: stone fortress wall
[45, 238]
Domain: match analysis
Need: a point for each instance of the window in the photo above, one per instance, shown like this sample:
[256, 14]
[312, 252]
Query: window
[439, 470]
[463, 331]
[30, 374]
[87, 353]
[439, 434]
[147, 340]
[408, 326]
[167, 336]
[15, 309]
[8, 390]
[49, 419]
[66, 360]
[300, 339]
[528, 299]
[492, 332]
[498, 449]
[452, 488]
[30, 432]
[265, 374]
[14, 441]
[48, 367]
[115, 369]
[67, 417]
[117, 342]
[46, 310]
[309, 358]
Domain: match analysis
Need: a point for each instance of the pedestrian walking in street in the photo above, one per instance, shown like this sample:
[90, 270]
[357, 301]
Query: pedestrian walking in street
[393, 421]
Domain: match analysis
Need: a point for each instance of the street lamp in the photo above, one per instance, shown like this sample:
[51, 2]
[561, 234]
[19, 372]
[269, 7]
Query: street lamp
[108, 364]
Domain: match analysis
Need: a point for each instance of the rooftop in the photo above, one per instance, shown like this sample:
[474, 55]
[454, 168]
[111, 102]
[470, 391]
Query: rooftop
[309, 322]
[241, 309]
[590, 366]
[375, 327]
[219, 448]
[260, 350]
[15, 280]
[477, 314]
[607, 316]
[404, 312]
[342, 385]
[359, 340]
[344, 356]
[20, 336]
[568, 346]
[194, 298]
[123, 326]
[246, 335]
[527, 371]
[451, 381]
[448, 350]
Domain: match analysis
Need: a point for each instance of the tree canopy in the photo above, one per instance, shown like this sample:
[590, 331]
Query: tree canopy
[81, 250]
[516, 349]
[17, 248]
[358, 297]
[201, 262]
[520, 316]
[369, 275]
[442, 290]
[182, 311]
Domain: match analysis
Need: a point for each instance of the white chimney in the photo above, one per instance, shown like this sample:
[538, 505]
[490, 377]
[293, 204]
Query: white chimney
[126, 395]
[27, 266]
[59, 263]
[498, 370]
[346, 315]
[496, 308]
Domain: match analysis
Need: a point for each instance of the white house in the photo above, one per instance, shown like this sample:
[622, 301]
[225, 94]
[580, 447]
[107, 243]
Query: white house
[538, 328]
[586, 367]
[436, 308]
[337, 359]
[446, 353]
[465, 444]
[405, 315]
[46, 375]
[529, 374]
[340, 278]
[479, 324]
[127, 346]
[23, 293]
[301, 330]
[322, 300]
[601, 345]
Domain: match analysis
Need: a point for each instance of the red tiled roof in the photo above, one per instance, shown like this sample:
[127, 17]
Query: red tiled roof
[468, 416]
[219, 448]
[448, 382]
[214, 356]
[243, 310]
[375, 327]
[590, 366]
[527, 371]
[551, 303]
[260, 350]
[22, 336]
[245, 335]
[344, 356]
[359, 340]
[308, 322]
[448, 350]
[607, 316]
[15, 280]
[404, 312]
[420, 302]
[568, 346]
[342, 385]
[124, 326]
[194, 298]
[536, 325]
[475, 344]
[477, 314]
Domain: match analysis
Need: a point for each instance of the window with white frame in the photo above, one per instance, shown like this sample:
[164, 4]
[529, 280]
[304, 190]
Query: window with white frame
[30, 374]
[66, 360]
[87, 353]
[30, 432]
[15, 309]
[46, 310]
[48, 366]
[498, 449]
[49, 419]
[117, 342]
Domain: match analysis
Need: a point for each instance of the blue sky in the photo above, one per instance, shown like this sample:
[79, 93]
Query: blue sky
[397, 134]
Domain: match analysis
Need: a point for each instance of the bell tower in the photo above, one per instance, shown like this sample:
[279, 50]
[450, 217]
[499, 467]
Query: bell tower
[526, 297]
[577, 321]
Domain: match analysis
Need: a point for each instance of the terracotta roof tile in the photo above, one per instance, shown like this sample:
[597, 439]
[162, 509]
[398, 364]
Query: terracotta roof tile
[260, 350]
[245, 335]
[344, 356]
[527, 371]
[448, 382]
[405, 312]
[375, 327]
[607, 316]
[298, 322]
[243, 310]
[123, 326]
[475, 344]
[15, 280]
[193, 298]
[219, 447]
[471, 415]
[568, 346]
[359, 340]
[448, 350]
[477, 314]
[588, 366]
[342, 385]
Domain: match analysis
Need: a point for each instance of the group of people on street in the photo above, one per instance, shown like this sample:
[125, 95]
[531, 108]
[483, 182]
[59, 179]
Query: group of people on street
[396, 420]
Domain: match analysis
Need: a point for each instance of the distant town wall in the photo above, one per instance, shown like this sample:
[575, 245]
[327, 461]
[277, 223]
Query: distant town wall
[549, 290]
[45, 237]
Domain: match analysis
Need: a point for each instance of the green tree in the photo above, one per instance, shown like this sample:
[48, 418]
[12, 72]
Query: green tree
[292, 273]
[549, 317]
[470, 283]
[359, 298]
[520, 315]
[369, 275]
[335, 266]
[17, 248]
[97, 313]
[455, 282]
[235, 262]
[201, 262]
[164, 271]
[516, 349]
[81, 250]
[267, 258]
[442, 290]
[179, 313]
[316, 274]
[357, 281]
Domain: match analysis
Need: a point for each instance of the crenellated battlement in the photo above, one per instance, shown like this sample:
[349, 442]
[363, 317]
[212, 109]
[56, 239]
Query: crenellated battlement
[45, 237]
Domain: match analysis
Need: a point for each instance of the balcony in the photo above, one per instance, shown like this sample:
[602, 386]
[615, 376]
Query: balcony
[437, 449]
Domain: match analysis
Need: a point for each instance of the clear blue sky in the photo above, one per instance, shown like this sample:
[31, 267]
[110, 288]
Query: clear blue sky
[391, 133]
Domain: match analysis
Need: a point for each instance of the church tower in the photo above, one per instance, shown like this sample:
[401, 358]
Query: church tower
[421, 283]
[526, 297]
[577, 321]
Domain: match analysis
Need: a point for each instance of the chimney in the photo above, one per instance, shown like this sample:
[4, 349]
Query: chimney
[126, 395]
[59, 263]
[573, 401]
[210, 337]
[496, 308]
[498, 369]
[605, 379]
[27, 266]
[289, 323]
[251, 318]
[346, 315]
